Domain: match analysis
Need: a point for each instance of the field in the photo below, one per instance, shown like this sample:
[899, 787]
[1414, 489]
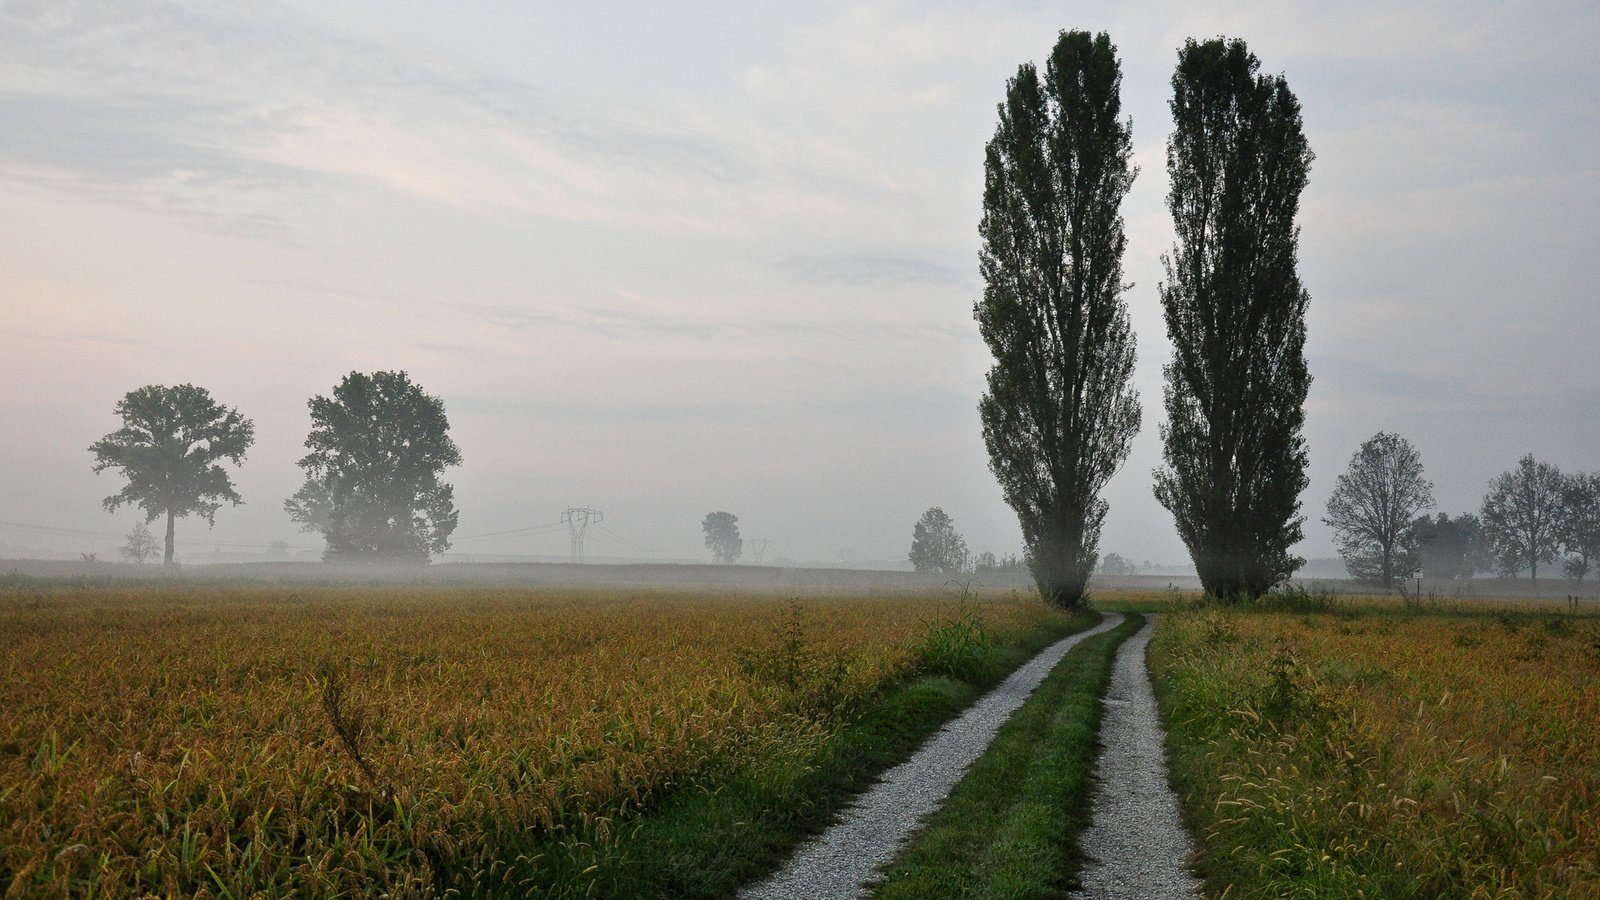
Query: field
[193, 739]
[1386, 750]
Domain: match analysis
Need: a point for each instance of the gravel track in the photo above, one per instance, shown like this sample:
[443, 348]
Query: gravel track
[1136, 841]
[843, 860]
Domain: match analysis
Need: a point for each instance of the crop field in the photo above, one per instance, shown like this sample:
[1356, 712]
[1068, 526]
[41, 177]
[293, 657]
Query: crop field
[1387, 752]
[330, 741]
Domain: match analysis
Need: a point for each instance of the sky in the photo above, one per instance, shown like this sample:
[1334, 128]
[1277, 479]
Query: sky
[664, 259]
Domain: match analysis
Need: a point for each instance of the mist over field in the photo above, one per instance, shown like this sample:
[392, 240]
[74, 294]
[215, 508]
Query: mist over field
[664, 262]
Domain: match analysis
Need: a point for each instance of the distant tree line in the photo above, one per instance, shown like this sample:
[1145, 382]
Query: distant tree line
[1532, 515]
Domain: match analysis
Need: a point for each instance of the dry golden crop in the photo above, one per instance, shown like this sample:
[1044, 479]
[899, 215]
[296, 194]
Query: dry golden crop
[327, 741]
[1381, 754]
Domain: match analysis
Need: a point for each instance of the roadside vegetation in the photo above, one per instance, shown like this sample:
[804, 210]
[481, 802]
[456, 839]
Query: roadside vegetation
[1010, 827]
[1386, 749]
[176, 740]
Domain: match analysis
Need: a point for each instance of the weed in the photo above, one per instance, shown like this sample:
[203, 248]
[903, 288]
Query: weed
[959, 647]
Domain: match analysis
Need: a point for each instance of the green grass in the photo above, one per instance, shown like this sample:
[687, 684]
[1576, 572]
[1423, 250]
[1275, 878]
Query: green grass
[698, 844]
[1009, 829]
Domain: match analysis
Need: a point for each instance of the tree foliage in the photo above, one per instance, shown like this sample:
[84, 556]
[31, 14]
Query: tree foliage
[373, 489]
[1373, 508]
[1522, 515]
[1114, 564]
[1579, 525]
[1059, 412]
[1235, 313]
[722, 537]
[1451, 548]
[936, 546]
[169, 448]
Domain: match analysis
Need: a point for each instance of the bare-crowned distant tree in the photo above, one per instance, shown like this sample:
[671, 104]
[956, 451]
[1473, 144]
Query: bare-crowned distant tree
[722, 537]
[140, 545]
[1579, 529]
[1522, 515]
[936, 546]
[1059, 412]
[373, 489]
[1235, 312]
[1373, 508]
[168, 448]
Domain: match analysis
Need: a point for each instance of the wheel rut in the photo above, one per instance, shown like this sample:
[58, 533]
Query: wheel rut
[844, 859]
[1136, 841]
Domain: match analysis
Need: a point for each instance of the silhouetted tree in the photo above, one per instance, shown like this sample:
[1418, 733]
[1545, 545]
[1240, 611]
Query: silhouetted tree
[1235, 313]
[722, 537]
[168, 448]
[1451, 548]
[936, 546]
[1372, 508]
[373, 488]
[1059, 412]
[1114, 564]
[1579, 526]
[1521, 515]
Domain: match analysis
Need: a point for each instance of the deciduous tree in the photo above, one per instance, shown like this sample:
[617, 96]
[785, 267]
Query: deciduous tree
[1451, 548]
[1579, 527]
[936, 546]
[1373, 508]
[169, 447]
[722, 537]
[373, 488]
[1059, 412]
[1521, 515]
[1235, 313]
[140, 545]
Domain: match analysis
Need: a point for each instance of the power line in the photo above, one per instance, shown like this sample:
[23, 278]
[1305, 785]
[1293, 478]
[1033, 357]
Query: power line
[81, 532]
[548, 526]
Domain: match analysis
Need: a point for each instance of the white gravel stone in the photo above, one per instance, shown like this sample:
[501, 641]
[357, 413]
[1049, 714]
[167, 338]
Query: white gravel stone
[844, 860]
[1136, 840]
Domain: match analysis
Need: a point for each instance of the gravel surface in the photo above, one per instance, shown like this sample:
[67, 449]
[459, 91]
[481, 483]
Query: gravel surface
[843, 860]
[1136, 840]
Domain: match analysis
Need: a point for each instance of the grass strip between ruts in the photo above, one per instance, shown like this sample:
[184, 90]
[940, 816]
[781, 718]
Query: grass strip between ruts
[706, 844]
[1010, 827]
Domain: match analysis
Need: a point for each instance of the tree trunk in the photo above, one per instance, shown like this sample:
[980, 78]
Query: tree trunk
[172, 521]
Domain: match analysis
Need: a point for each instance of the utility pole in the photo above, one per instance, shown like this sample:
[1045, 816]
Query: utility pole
[758, 547]
[578, 521]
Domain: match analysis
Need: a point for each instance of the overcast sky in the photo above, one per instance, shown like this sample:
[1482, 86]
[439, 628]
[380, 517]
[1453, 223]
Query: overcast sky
[663, 259]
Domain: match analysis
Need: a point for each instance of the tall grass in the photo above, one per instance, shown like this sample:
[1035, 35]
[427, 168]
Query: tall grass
[175, 739]
[1357, 754]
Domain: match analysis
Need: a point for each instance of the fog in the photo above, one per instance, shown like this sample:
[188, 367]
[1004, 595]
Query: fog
[661, 263]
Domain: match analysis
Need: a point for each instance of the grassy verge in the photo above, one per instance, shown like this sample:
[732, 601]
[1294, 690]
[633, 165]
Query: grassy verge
[1364, 753]
[1010, 826]
[699, 844]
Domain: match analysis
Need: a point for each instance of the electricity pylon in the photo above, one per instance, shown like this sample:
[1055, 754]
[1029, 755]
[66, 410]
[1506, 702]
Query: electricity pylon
[578, 521]
[758, 547]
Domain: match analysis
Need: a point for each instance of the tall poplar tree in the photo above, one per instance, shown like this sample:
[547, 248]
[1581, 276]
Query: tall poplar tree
[1059, 412]
[1235, 311]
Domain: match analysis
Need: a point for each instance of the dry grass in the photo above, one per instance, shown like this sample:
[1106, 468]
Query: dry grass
[325, 741]
[1380, 754]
